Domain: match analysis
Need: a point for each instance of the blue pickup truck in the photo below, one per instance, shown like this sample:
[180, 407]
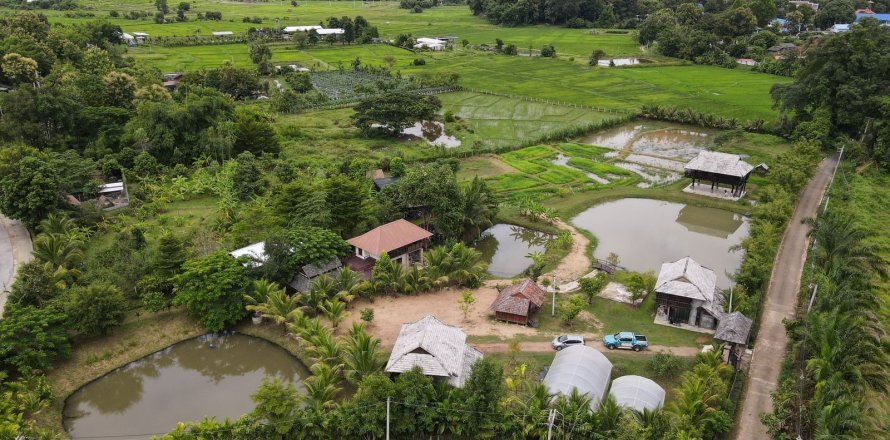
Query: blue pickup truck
[626, 340]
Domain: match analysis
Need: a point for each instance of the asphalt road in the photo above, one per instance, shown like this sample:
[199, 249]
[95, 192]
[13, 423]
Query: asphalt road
[15, 250]
[781, 303]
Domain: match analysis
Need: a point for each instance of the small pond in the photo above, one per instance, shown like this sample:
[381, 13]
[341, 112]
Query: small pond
[433, 132]
[619, 62]
[208, 376]
[646, 233]
[504, 247]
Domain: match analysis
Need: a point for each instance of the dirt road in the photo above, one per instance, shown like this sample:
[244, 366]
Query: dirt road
[577, 263]
[502, 347]
[781, 303]
[15, 250]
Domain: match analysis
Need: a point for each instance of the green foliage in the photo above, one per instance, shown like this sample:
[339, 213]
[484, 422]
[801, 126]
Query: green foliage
[591, 287]
[95, 309]
[212, 290]
[367, 315]
[31, 339]
[33, 286]
[640, 285]
[665, 364]
[277, 403]
[254, 133]
[465, 303]
[20, 402]
[395, 111]
[299, 82]
[569, 310]
[170, 256]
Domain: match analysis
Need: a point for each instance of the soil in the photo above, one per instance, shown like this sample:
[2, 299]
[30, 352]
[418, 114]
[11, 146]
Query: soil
[577, 263]
[503, 347]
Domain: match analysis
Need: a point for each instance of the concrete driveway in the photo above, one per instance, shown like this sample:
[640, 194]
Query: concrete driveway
[15, 250]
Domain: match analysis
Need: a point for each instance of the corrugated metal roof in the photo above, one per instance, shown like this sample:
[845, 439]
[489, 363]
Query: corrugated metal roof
[686, 278]
[734, 327]
[439, 349]
[111, 187]
[720, 163]
[256, 252]
[583, 368]
[637, 392]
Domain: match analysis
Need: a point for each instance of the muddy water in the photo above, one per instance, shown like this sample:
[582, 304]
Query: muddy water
[563, 161]
[646, 233]
[433, 132]
[209, 376]
[656, 139]
[504, 247]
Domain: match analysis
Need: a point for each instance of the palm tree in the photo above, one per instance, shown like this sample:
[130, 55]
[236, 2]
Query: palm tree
[322, 288]
[576, 413]
[609, 414]
[694, 404]
[323, 347]
[361, 353]
[277, 305]
[57, 223]
[388, 275]
[59, 256]
[321, 387]
[467, 264]
[416, 280]
[480, 208]
[335, 311]
[438, 265]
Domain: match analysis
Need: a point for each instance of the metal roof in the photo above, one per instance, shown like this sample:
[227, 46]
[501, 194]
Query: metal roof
[637, 392]
[580, 367]
[111, 187]
[686, 278]
[437, 348]
[733, 327]
[720, 163]
[256, 252]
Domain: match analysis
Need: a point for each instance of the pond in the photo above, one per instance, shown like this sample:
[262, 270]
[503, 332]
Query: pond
[618, 62]
[682, 142]
[433, 132]
[504, 247]
[646, 233]
[208, 376]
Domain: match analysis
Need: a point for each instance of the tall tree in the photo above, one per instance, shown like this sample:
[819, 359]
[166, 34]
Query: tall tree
[31, 339]
[212, 289]
[95, 309]
[395, 111]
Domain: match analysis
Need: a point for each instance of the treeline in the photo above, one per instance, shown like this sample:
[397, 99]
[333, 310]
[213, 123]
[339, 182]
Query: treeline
[418, 6]
[493, 403]
[837, 378]
[690, 116]
[571, 13]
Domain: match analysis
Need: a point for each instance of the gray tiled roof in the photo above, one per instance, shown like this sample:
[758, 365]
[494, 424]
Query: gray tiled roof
[734, 327]
[439, 349]
[686, 278]
[720, 163]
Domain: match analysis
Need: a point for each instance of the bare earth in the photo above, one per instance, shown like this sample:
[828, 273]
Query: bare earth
[501, 347]
[781, 303]
[577, 263]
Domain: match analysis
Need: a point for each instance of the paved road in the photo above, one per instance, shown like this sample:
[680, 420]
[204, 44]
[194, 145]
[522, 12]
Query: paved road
[781, 303]
[503, 347]
[15, 250]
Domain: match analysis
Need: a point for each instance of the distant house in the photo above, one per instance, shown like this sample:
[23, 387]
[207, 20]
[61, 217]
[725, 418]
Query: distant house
[440, 350]
[746, 61]
[733, 330]
[402, 240]
[140, 36]
[172, 80]
[781, 50]
[293, 29]
[434, 44]
[519, 303]
[223, 33]
[718, 168]
[256, 254]
[111, 196]
[884, 19]
[839, 27]
[330, 31]
[687, 293]
[128, 39]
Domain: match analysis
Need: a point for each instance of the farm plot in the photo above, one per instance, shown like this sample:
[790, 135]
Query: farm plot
[496, 121]
[348, 85]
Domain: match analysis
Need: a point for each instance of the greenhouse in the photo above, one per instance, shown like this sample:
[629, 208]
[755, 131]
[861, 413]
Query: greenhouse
[580, 367]
[637, 393]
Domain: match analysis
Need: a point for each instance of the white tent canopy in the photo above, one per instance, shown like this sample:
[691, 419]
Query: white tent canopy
[637, 392]
[581, 367]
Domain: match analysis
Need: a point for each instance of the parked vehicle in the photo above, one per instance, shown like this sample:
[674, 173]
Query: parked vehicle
[626, 340]
[564, 341]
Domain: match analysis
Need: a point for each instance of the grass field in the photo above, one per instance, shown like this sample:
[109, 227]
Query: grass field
[387, 16]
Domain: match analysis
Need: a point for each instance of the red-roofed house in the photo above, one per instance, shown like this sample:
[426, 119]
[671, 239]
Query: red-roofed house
[402, 240]
[519, 303]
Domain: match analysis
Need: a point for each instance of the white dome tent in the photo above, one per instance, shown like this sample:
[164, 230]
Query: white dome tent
[580, 367]
[637, 392]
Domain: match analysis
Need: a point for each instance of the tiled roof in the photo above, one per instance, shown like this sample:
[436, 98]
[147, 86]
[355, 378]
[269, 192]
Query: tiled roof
[686, 278]
[720, 163]
[517, 298]
[734, 327]
[390, 236]
[439, 349]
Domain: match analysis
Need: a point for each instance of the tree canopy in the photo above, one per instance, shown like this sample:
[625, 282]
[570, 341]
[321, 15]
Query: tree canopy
[395, 111]
[212, 289]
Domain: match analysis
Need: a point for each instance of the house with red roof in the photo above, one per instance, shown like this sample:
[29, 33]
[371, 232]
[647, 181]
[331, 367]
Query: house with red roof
[402, 240]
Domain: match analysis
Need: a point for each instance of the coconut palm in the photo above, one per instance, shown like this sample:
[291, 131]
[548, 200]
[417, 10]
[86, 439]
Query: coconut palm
[467, 265]
[416, 280]
[534, 412]
[388, 276]
[438, 265]
[576, 414]
[323, 347]
[60, 257]
[361, 353]
[480, 207]
[277, 305]
[335, 311]
[322, 288]
[321, 387]
[57, 223]
[694, 404]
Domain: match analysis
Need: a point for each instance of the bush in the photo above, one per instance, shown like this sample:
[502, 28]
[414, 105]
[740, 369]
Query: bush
[367, 315]
[548, 51]
[511, 49]
[419, 62]
[449, 116]
[665, 365]
[95, 309]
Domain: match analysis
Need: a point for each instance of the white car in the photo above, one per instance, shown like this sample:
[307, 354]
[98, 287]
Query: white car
[564, 341]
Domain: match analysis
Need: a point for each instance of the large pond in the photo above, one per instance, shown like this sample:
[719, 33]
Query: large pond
[646, 233]
[209, 376]
[505, 248]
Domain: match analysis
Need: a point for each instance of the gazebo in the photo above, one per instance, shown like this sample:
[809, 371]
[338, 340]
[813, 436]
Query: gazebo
[718, 168]
[519, 303]
[734, 329]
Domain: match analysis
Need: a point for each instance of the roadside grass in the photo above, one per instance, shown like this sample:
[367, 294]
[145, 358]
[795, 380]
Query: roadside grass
[138, 337]
[869, 200]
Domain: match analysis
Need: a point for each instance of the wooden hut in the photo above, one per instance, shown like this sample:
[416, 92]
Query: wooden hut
[733, 330]
[720, 168]
[519, 303]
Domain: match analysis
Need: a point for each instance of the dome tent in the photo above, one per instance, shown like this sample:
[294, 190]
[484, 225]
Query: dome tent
[637, 392]
[581, 367]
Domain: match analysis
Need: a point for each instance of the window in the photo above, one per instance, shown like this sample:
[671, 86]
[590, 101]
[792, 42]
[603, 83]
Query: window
[562, 338]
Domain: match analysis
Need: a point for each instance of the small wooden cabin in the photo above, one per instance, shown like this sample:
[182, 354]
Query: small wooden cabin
[519, 303]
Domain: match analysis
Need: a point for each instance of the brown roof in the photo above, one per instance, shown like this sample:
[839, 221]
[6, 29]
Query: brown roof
[390, 236]
[517, 299]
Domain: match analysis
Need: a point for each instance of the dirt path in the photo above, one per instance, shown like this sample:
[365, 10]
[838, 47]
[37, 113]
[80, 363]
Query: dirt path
[15, 250]
[577, 263]
[503, 347]
[781, 303]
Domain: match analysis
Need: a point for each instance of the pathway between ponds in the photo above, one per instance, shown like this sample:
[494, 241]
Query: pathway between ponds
[15, 250]
[780, 304]
[525, 347]
[577, 263]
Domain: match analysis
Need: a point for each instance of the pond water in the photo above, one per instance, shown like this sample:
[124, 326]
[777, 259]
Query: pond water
[646, 233]
[563, 161]
[433, 132]
[504, 247]
[618, 62]
[209, 376]
[656, 139]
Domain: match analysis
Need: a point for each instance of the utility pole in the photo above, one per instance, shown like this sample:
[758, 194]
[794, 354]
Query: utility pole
[550, 419]
[553, 306]
[387, 418]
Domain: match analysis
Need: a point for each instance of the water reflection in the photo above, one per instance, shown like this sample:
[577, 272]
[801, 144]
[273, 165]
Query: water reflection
[656, 139]
[209, 376]
[433, 132]
[505, 247]
[646, 233]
